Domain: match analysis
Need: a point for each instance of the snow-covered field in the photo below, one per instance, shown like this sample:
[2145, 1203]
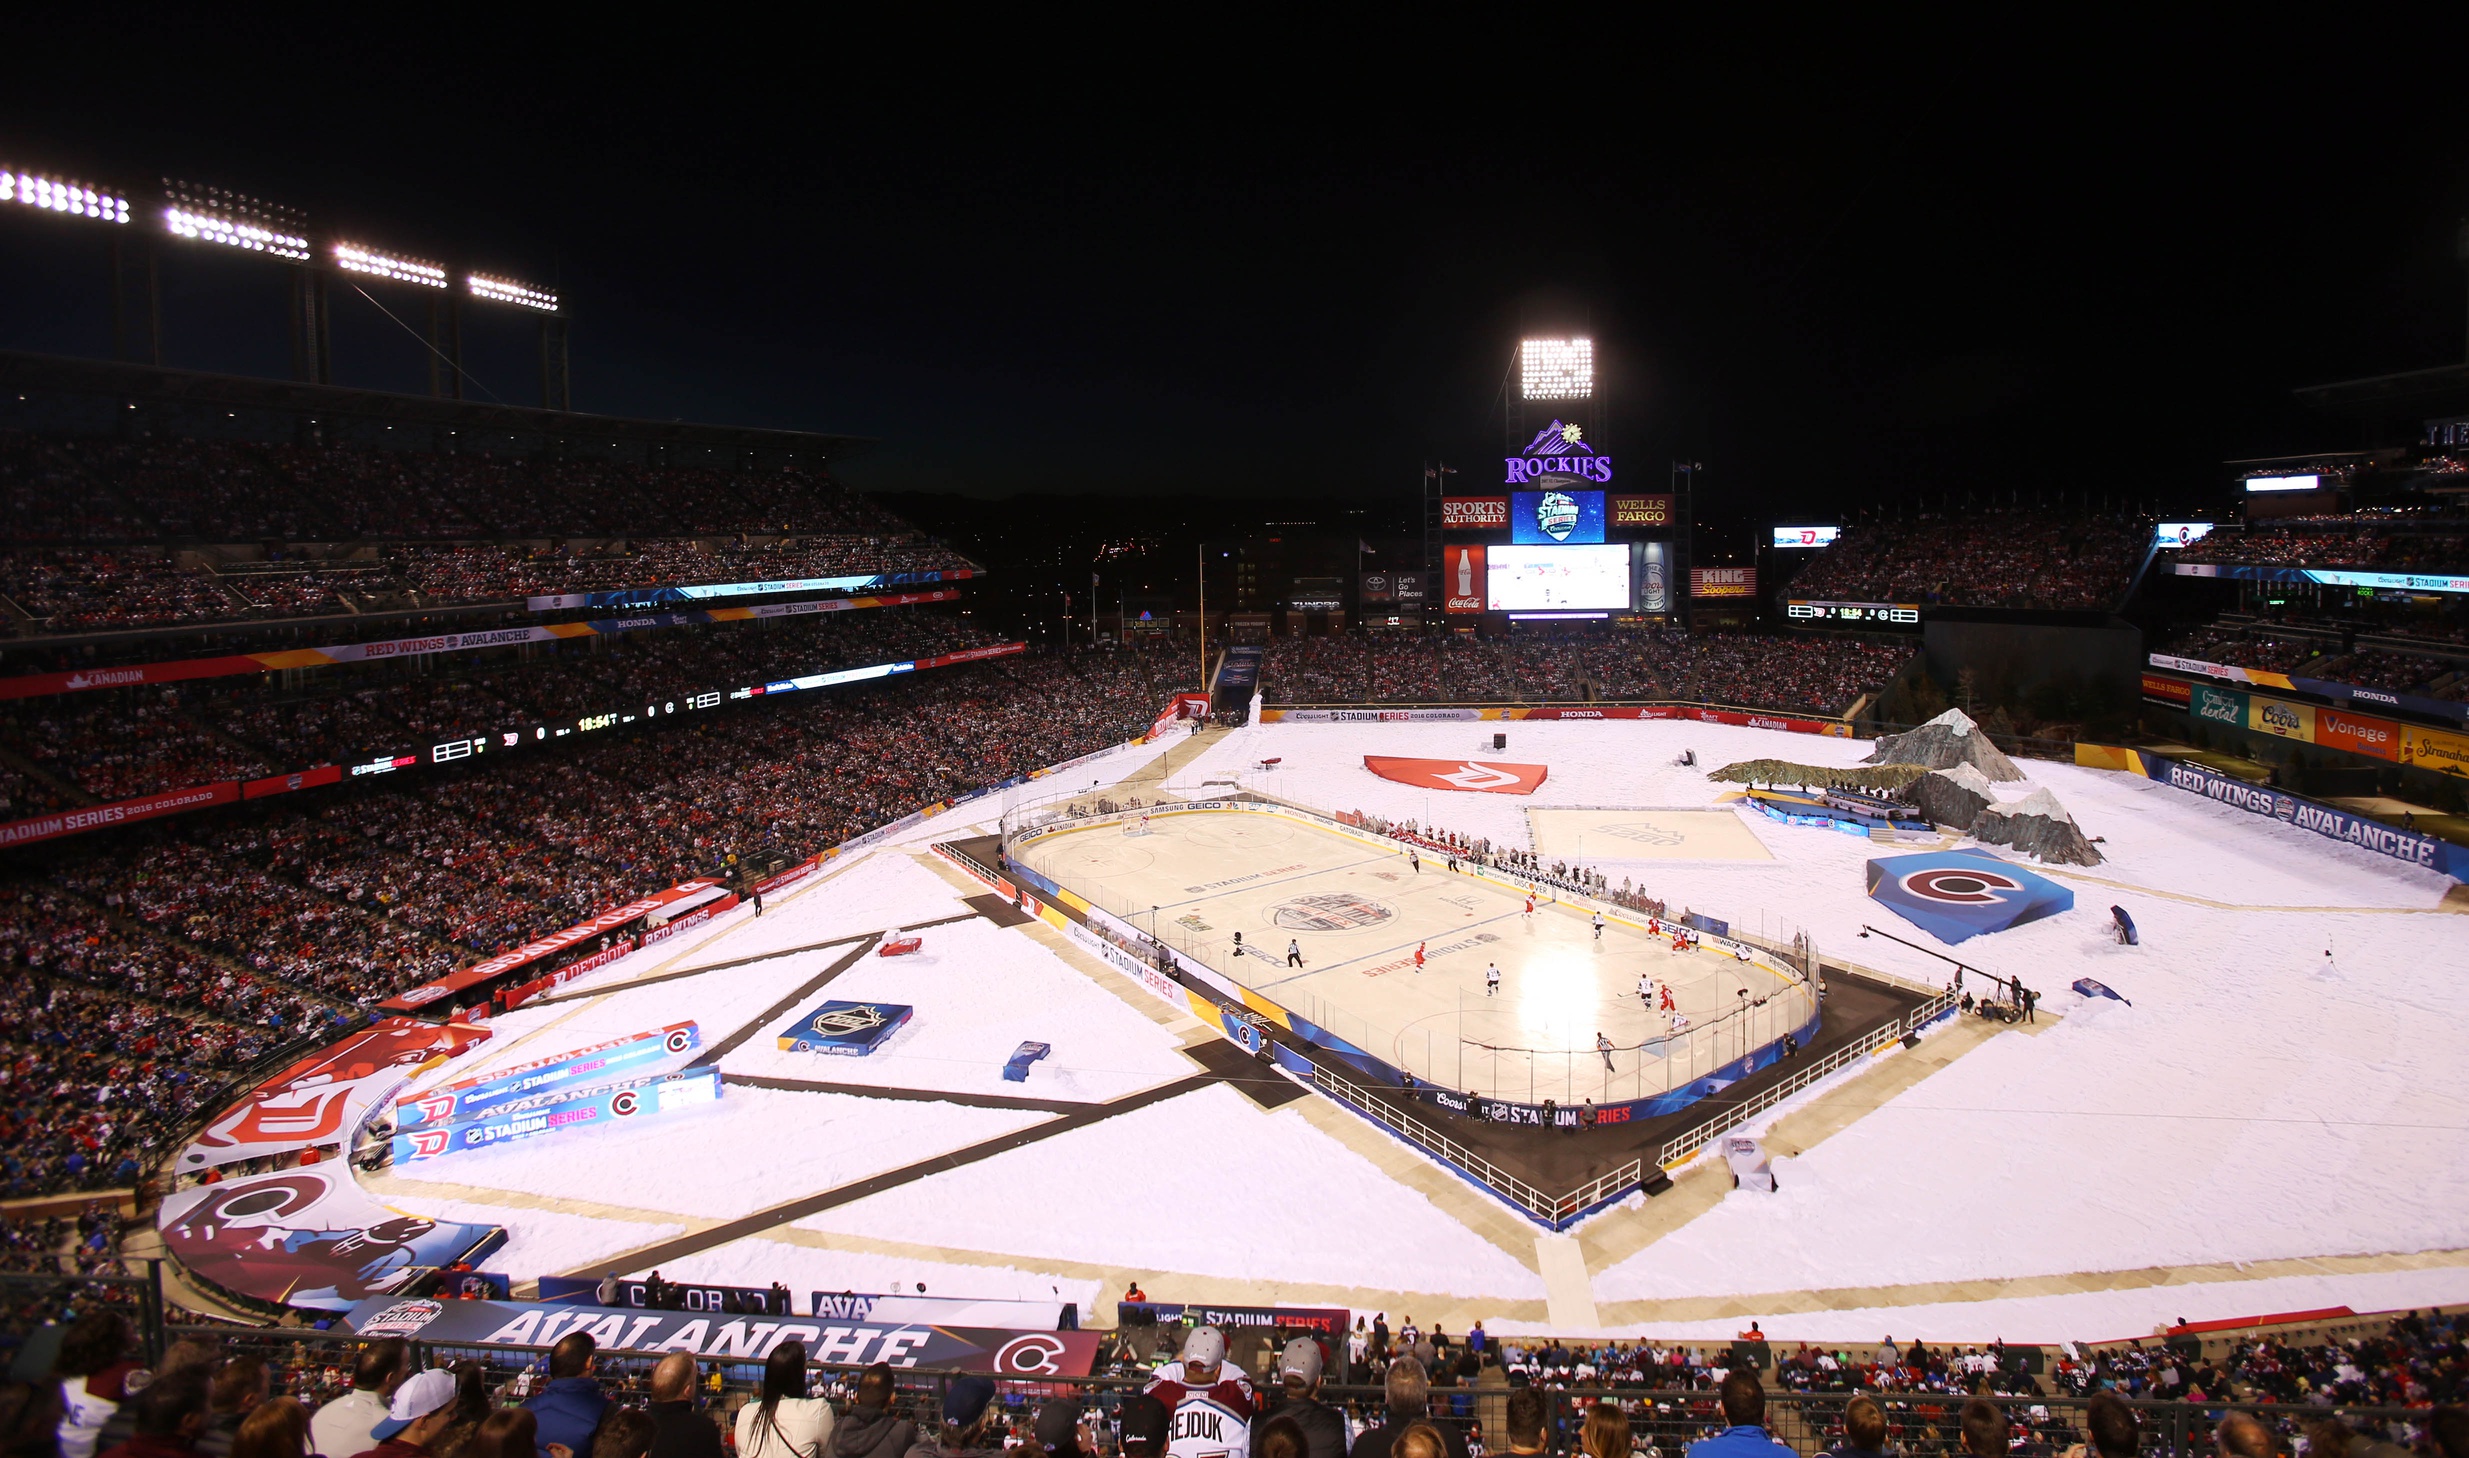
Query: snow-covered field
[2258, 1101]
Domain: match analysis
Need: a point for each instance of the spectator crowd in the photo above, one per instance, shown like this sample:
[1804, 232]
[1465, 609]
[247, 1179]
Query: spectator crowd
[1799, 674]
[146, 973]
[2021, 558]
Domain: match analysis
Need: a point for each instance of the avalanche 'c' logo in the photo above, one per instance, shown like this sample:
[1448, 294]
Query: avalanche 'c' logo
[1035, 1353]
[626, 1102]
[1960, 885]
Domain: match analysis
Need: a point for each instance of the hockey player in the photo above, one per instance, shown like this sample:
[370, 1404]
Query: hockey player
[1598, 926]
[1238, 951]
[1294, 952]
[1209, 1402]
[1419, 946]
[1491, 980]
[1603, 1045]
[1414, 862]
[1646, 991]
[1530, 901]
[1664, 998]
[1679, 1023]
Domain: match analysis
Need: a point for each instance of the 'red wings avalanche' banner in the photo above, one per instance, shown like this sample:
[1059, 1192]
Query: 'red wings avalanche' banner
[319, 1099]
[744, 1339]
[1459, 774]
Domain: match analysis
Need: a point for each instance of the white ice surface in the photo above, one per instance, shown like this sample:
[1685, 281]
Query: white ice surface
[979, 990]
[1194, 1184]
[754, 1148]
[805, 1270]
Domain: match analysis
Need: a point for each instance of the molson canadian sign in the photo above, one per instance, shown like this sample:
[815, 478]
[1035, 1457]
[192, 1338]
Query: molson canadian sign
[1558, 456]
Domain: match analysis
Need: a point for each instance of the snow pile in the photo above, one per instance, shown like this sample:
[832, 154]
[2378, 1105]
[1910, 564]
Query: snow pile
[1953, 797]
[1944, 742]
[2037, 825]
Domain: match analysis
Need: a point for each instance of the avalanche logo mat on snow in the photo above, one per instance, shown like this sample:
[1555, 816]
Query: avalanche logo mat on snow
[1957, 895]
[1459, 774]
[1331, 912]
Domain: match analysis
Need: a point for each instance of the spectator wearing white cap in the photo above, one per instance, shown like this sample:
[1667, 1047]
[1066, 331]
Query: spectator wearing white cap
[1209, 1401]
[421, 1408]
[1297, 1396]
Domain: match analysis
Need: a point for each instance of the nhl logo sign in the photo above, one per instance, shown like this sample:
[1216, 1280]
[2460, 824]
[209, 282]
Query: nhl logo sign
[1334, 912]
[851, 1029]
[1556, 515]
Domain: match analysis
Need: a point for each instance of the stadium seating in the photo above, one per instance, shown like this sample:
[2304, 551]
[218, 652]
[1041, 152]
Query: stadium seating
[1799, 674]
[91, 523]
[2391, 543]
[2008, 559]
[228, 934]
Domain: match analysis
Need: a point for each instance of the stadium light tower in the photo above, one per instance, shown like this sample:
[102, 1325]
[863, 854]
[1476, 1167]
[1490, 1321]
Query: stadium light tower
[1557, 369]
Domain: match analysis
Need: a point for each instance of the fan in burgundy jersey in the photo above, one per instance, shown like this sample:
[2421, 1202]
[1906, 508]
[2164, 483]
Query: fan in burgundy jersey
[1209, 1401]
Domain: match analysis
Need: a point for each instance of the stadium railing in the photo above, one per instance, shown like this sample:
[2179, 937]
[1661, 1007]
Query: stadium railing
[1663, 1420]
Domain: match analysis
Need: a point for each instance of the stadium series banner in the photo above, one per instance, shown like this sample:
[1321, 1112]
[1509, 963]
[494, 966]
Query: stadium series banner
[467, 1097]
[561, 1112]
[745, 1339]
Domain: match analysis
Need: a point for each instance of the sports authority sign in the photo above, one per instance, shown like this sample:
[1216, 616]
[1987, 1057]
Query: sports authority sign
[1474, 513]
[1459, 774]
[744, 1339]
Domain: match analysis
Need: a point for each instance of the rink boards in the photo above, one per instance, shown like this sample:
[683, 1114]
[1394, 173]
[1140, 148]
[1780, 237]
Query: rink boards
[1355, 910]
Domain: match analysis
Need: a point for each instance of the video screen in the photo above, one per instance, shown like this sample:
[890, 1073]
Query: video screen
[2175, 534]
[1535, 579]
[1806, 536]
[1545, 518]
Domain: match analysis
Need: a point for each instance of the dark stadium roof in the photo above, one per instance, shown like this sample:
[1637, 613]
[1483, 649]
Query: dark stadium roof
[19, 371]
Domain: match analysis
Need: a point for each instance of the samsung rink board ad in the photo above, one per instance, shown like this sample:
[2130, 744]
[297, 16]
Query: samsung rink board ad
[1548, 579]
[582, 1067]
[562, 1113]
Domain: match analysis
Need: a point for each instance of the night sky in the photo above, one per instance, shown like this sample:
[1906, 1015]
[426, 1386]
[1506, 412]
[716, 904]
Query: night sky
[1834, 269]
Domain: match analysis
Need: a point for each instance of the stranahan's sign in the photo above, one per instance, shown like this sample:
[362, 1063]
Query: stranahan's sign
[745, 1339]
[1558, 457]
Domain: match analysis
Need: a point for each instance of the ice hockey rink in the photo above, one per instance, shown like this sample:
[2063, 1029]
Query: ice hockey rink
[1356, 911]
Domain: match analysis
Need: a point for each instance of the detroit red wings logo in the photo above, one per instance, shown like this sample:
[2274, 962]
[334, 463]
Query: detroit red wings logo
[429, 1143]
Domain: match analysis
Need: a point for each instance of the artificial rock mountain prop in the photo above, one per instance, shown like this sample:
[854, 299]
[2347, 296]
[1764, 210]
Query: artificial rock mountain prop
[2036, 825]
[1952, 797]
[1948, 740]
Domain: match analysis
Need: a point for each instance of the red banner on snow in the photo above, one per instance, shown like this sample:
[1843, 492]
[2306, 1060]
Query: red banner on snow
[1459, 774]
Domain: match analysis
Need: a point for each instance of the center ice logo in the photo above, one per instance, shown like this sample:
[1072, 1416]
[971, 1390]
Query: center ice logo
[1336, 911]
[1961, 887]
[1646, 833]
